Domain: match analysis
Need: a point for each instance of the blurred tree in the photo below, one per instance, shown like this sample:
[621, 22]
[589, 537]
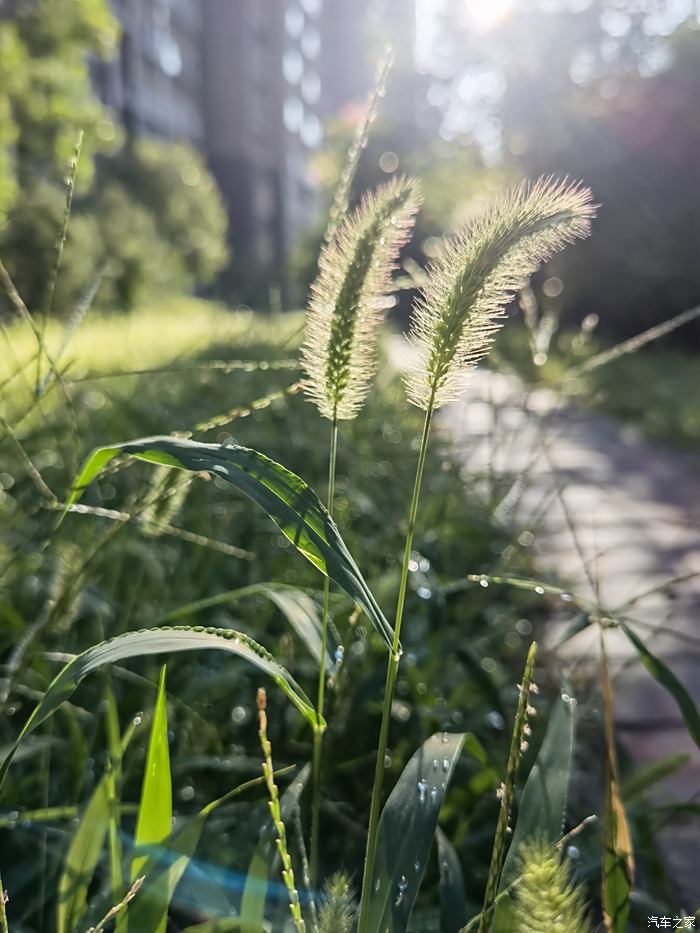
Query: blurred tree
[147, 216]
[45, 91]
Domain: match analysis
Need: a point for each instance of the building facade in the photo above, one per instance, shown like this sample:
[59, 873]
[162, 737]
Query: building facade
[243, 81]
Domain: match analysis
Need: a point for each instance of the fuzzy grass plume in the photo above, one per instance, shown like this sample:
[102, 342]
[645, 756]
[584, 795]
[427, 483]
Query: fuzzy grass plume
[345, 309]
[480, 270]
[545, 898]
[337, 913]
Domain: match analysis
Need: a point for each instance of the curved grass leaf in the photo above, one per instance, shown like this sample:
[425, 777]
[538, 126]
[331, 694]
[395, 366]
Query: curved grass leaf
[406, 831]
[668, 680]
[300, 610]
[86, 847]
[543, 801]
[453, 903]
[618, 854]
[154, 818]
[286, 498]
[156, 641]
[252, 918]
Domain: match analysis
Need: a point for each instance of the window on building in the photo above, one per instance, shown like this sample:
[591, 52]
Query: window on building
[311, 87]
[293, 114]
[294, 21]
[311, 43]
[293, 66]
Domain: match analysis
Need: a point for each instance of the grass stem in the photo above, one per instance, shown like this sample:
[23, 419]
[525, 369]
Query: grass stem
[391, 675]
[4, 928]
[320, 701]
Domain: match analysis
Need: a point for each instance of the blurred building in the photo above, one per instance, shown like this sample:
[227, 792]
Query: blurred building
[243, 80]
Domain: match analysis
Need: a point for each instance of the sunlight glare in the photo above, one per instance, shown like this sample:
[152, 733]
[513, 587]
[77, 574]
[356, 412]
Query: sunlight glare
[486, 14]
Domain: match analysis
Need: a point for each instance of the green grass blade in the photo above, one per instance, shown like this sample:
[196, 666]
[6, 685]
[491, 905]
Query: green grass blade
[287, 499]
[81, 860]
[453, 903]
[668, 680]
[154, 818]
[300, 610]
[86, 847]
[543, 801]
[157, 641]
[115, 751]
[406, 830]
[164, 868]
[634, 788]
[252, 918]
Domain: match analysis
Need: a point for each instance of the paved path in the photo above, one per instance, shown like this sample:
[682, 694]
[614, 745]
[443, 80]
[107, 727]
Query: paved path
[608, 510]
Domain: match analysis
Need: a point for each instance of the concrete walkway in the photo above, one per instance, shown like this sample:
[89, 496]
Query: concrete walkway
[614, 516]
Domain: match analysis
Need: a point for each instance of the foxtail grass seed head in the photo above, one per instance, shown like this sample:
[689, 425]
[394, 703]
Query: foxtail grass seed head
[348, 298]
[479, 271]
[337, 912]
[545, 897]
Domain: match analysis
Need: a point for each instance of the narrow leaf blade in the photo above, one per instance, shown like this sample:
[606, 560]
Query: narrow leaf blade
[157, 641]
[287, 499]
[406, 829]
[668, 680]
[453, 903]
[154, 818]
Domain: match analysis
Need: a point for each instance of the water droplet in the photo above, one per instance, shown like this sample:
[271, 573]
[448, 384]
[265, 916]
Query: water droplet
[436, 764]
[539, 591]
[434, 793]
[424, 592]
[138, 719]
[483, 583]
[377, 884]
[572, 852]
[401, 888]
[339, 654]
[444, 738]
[445, 764]
[567, 597]
[422, 788]
[416, 867]
[387, 761]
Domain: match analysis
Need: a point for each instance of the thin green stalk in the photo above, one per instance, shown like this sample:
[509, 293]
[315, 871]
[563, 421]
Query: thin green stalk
[276, 813]
[507, 790]
[4, 928]
[318, 734]
[391, 674]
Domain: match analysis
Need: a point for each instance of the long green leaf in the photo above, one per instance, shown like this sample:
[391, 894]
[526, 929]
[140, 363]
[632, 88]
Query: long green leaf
[542, 806]
[252, 918]
[85, 847]
[453, 903]
[668, 680]
[286, 498]
[154, 819]
[300, 610]
[406, 829]
[156, 641]
[164, 868]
